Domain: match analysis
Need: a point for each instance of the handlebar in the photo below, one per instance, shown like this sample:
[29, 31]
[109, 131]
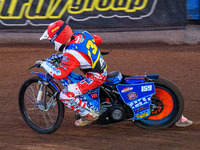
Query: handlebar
[52, 61]
[31, 67]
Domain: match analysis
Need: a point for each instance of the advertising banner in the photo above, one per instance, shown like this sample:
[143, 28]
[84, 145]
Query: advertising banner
[97, 15]
[193, 9]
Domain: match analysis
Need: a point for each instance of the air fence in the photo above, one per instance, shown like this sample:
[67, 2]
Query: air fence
[134, 20]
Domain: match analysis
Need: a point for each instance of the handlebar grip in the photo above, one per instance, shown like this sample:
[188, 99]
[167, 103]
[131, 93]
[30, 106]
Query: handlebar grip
[31, 67]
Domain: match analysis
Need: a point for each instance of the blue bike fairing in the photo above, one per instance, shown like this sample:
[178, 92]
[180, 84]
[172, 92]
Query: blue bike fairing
[87, 46]
[138, 98]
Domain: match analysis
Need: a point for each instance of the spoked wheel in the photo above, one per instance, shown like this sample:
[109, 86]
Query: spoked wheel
[43, 118]
[166, 108]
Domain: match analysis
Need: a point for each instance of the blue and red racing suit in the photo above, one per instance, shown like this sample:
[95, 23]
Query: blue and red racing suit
[81, 52]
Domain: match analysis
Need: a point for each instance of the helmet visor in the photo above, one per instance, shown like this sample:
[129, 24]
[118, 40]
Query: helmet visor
[45, 35]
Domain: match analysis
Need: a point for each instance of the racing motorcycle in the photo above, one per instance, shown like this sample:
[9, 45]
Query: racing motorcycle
[149, 101]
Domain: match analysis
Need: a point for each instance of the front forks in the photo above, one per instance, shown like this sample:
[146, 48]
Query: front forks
[40, 92]
[42, 103]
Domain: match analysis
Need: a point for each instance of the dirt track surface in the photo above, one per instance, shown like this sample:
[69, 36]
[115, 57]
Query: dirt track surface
[180, 64]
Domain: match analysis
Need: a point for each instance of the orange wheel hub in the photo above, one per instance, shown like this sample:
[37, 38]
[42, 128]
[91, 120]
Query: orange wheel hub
[164, 104]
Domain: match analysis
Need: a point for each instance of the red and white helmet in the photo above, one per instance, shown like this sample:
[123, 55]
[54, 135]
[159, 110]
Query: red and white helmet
[57, 33]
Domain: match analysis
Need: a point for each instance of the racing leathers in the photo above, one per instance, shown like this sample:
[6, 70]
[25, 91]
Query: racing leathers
[81, 52]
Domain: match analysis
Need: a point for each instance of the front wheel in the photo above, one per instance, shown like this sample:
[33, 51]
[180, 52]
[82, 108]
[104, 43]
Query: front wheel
[45, 117]
[166, 108]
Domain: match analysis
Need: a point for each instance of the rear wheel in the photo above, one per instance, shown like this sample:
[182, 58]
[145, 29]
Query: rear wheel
[166, 108]
[43, 118]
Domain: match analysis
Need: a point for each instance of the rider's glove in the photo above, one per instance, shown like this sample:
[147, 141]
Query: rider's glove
[38, 63]
[50, 58]
[54, 58]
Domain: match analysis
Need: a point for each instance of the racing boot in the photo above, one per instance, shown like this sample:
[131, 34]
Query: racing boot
[183, 122]
[87, 119]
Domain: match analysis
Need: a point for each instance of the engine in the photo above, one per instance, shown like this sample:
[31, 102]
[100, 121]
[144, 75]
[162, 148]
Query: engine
[113, 114]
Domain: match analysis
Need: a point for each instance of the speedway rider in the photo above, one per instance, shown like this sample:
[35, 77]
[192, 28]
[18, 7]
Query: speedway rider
[79, 49]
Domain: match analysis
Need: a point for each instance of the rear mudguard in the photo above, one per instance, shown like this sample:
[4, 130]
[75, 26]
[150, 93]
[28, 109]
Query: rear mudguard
[152, 77]
[52, 82]
[140, 78]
